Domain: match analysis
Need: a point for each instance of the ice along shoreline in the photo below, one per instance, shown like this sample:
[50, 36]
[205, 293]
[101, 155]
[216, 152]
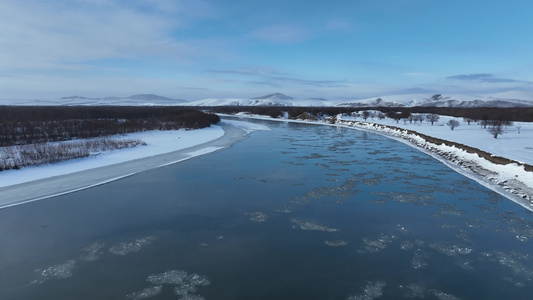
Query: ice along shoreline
[48, 187]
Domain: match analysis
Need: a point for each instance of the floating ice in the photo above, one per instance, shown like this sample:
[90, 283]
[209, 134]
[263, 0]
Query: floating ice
[413, 291]
[419, 261]
[185, 289]
[308, 225]
[515, 282]
[372, 291]
[379, 244]
[403, 197]
[406, 245]
[376, 180]
[416, 291]
[342, 192]
[146, 293]
[522, 230]
[451, 249]
[170, 277]
[514, 260]
[444, 296]
[92, 252]
[464, 263]
[184, 284]
[401, 228]
[59, 271]
[257, 216]
[336, 243]
[196, 279]
[127, 248]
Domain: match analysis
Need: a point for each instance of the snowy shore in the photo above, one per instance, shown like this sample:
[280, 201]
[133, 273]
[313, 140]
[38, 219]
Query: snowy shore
[163, 148]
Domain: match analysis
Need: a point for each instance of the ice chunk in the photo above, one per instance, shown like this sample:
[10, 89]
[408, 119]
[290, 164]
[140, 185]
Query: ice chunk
[146, 293]
[444, 296]
[257, 216]
[308, 225]
[336, 243]
[372, 291]
[406, 245]
[379, 243]
[170, 277]
[59, 271]
[451, 249]
[92, 252]
[419, 261]
[127, 248]
[414, 291]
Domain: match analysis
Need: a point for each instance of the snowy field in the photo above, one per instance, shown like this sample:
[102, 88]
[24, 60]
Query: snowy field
[515, 143]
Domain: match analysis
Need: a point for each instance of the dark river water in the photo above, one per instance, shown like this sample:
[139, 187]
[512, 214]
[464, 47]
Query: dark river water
[297, 212]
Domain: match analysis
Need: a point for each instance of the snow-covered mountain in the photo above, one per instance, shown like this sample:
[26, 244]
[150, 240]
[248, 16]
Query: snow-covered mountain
[278, 99]
[135, 100]
[428, 100]
[275, 96]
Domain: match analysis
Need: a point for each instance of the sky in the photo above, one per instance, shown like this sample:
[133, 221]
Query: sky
[197, 49]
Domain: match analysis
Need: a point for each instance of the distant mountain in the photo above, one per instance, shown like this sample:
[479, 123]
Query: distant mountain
[151, 97]
[275, 96]
[478, 103]
[134, 100]
[508, 99]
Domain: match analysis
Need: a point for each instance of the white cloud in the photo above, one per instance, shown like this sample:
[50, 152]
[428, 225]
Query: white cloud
[52, 34]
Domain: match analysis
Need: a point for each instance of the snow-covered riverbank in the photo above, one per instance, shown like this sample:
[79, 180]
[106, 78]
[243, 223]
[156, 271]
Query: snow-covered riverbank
[162, 148]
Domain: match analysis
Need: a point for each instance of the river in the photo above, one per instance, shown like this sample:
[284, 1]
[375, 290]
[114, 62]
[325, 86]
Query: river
[298, 212]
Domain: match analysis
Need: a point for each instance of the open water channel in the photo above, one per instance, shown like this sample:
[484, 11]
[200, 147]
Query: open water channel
[297, 212]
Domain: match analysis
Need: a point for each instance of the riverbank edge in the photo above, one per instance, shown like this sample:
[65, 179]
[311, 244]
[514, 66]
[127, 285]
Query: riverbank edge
[36, 190]
[484, 173]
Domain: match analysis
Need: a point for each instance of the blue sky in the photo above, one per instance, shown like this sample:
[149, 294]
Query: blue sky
[196, 49]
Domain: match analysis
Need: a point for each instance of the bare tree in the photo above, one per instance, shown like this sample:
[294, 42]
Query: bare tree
[453, 123]
[497, 126]
[366, 114]
[432, 118]
[468, 120]
[495, 131]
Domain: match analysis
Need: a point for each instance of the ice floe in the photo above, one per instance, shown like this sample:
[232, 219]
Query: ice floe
[92, 252]
[257, 216]
[135, 246]
[146, 293]
[185, 285]
[59, 271]
[309, 225]
[371, 291]
[379, 244]
[336, 243]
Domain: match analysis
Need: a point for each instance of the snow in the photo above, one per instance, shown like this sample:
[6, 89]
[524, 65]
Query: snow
[510, 144]
[158, 142]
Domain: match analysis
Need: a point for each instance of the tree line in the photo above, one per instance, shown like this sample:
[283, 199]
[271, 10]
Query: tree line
[518, 114]
[22, 125]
